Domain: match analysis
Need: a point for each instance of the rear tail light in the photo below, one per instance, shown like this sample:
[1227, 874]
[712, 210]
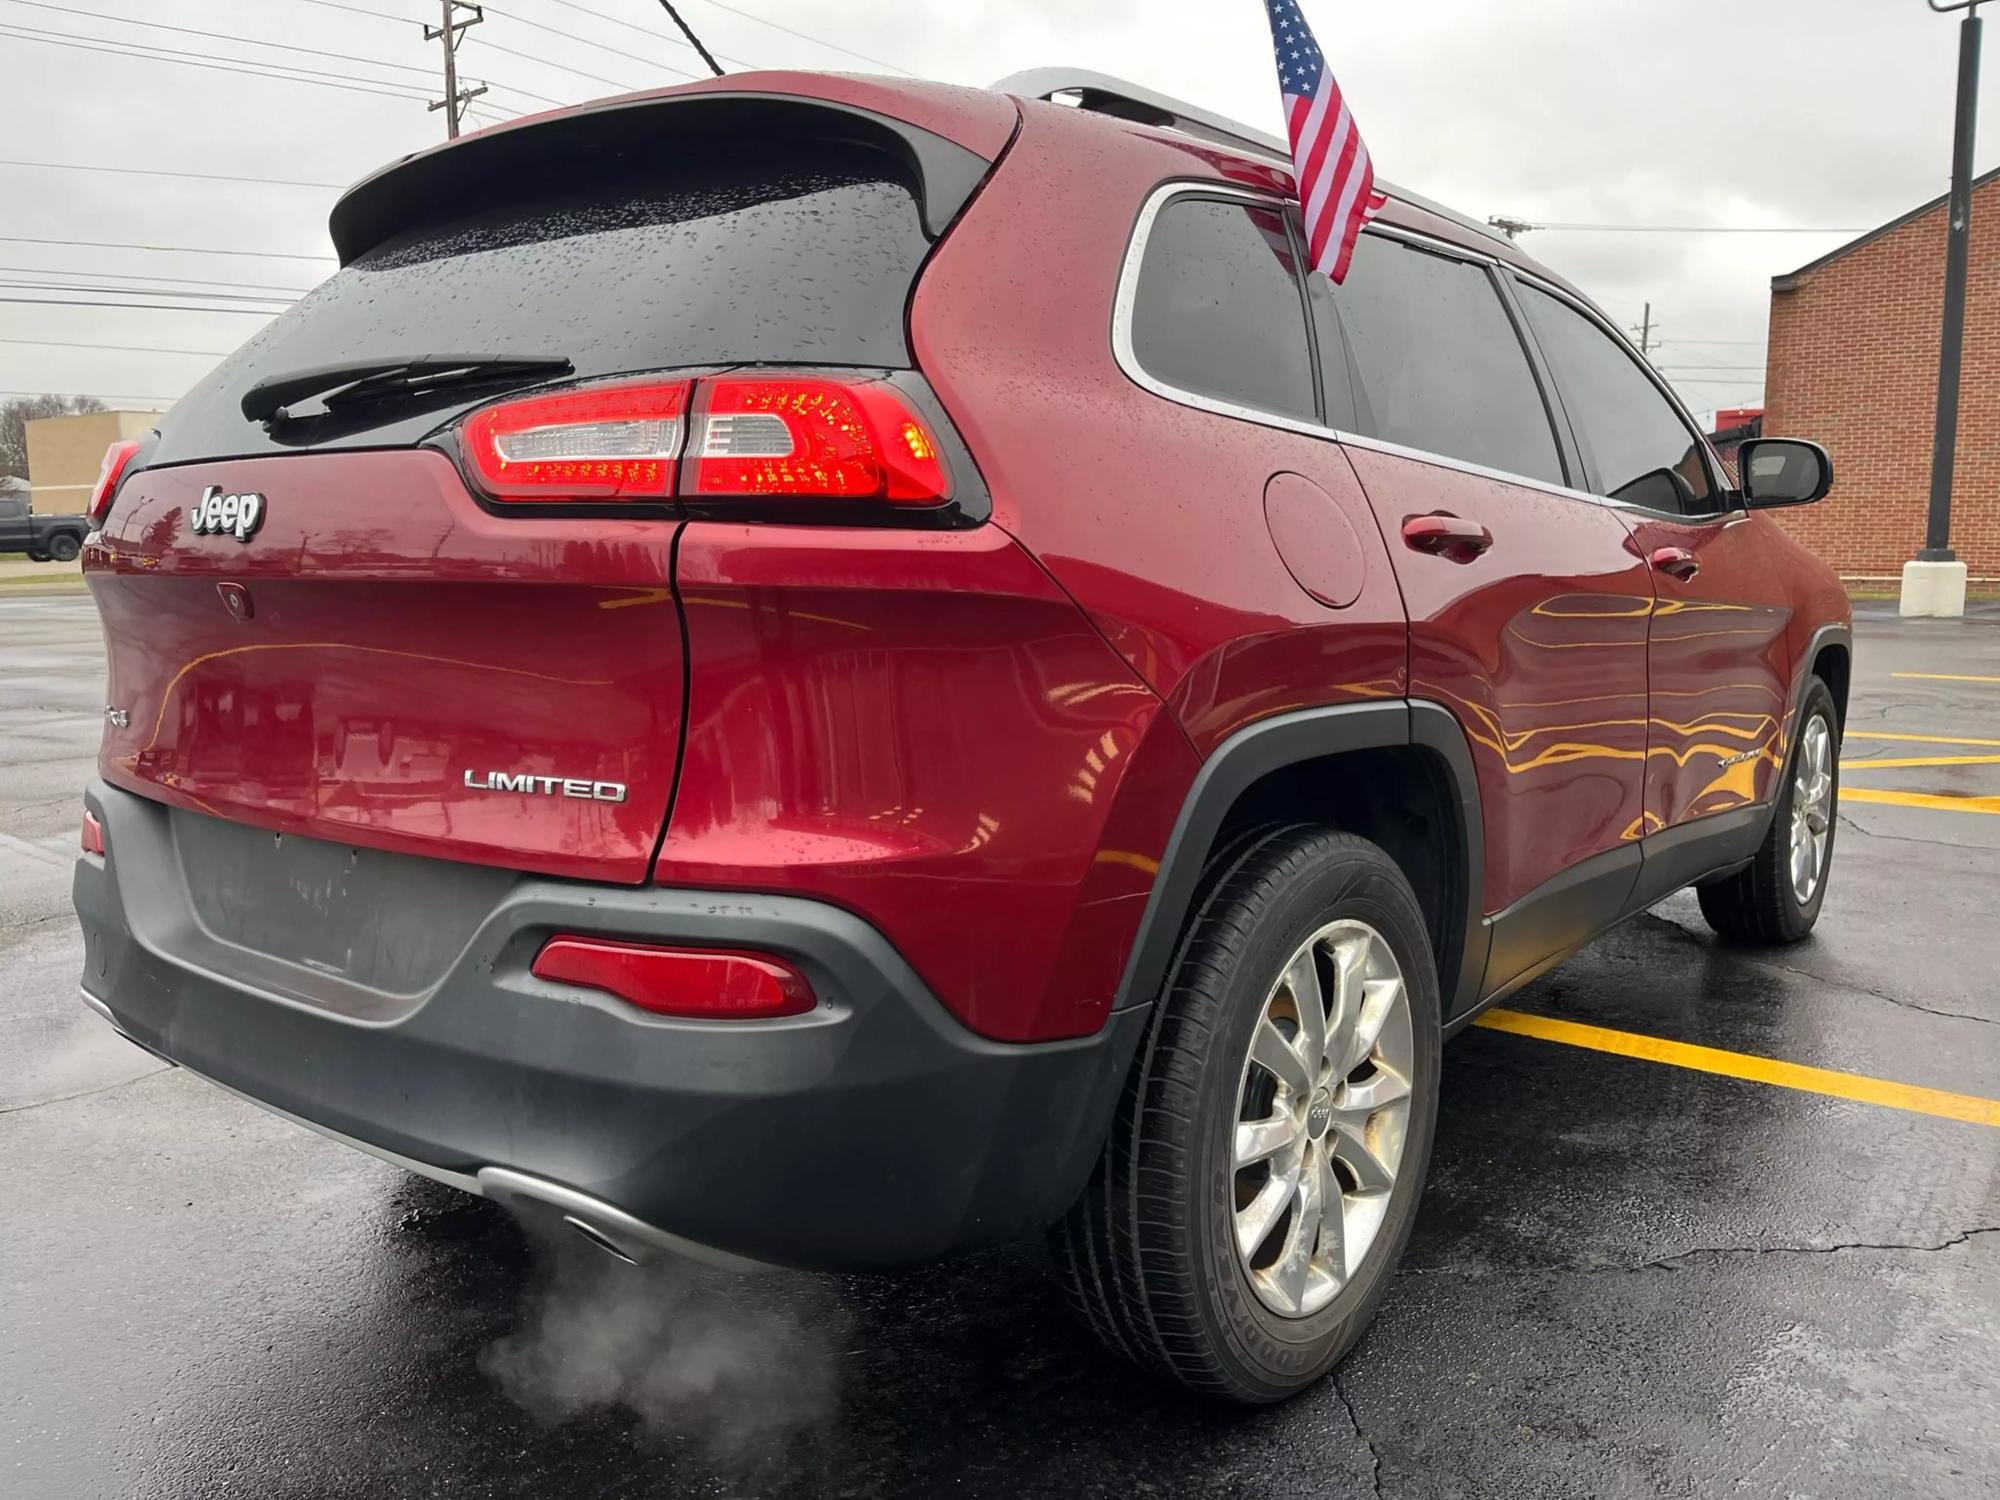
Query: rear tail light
[778, 437]
[700, 983]
[93, 835]
[606, 443]
[117, 458]
[808, 436]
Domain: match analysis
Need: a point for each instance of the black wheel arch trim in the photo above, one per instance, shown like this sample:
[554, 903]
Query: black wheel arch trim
[1283, 740]
[1833, 633]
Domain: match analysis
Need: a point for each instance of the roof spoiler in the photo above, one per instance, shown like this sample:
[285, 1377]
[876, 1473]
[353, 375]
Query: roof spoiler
[1100, 93]
[470, 173]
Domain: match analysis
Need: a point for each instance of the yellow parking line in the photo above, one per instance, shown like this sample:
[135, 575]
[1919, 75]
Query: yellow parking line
[1937, 801]
[1913, 739]
[1942, 677]
[1784, 1075]
[1904, 762]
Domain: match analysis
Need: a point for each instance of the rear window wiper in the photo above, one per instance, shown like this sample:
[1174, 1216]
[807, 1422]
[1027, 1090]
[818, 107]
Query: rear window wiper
[373, 379]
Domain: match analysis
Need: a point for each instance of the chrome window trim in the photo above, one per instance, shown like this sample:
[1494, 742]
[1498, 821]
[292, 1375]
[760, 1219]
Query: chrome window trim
[1126, 298]
[1430, 242]
[1478, 471]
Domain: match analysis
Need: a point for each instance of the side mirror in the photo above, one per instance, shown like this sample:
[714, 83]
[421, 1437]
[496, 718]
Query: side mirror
[1783, 471]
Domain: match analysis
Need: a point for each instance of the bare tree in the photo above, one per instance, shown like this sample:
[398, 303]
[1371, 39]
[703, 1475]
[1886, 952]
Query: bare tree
[15, 416]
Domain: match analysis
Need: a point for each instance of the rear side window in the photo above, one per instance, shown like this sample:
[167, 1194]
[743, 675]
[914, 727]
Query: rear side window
[1644, 454]
[1220, 311]
[785, 252]
[1441, 367]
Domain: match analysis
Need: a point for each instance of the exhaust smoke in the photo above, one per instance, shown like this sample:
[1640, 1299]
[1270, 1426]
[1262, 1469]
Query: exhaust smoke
[737, 1366]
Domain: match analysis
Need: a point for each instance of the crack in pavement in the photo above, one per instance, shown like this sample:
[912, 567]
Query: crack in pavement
[1683, 930]
[1671, 1262]
[1354, 1419]
[123, 1083]
[1902, 838]
[1667, 1262]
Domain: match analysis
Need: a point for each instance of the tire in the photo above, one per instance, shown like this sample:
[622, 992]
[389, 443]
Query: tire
[1149, 1253]
[35, 554]
[1763, 903]
[64, 546]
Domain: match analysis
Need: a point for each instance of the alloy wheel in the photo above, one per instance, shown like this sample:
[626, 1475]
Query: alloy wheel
[1322, 1115]
[1812, 809]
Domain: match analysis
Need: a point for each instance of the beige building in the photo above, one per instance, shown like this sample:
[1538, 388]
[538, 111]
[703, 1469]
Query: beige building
[65, 453]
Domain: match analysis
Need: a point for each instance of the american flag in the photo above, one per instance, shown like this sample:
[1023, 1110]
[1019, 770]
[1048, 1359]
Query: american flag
[1336, 180]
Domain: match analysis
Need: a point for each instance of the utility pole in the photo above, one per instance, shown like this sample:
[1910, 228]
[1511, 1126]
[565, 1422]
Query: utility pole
[1645, 332]
[455, 98]
[1934, 584]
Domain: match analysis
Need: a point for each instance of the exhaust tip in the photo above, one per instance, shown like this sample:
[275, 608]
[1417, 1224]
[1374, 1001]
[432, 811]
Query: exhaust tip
[599, 1238]
[605, 1225]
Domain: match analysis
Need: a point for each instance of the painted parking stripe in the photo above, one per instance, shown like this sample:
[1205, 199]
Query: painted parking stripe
[1785, 1075]
[1936, 801]
[1906, 762]
[1942, 677]
[1914, 739]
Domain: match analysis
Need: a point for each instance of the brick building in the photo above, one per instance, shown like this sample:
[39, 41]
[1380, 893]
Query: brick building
[1853, 363]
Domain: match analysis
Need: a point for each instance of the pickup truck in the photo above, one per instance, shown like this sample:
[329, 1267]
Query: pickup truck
[43, 538]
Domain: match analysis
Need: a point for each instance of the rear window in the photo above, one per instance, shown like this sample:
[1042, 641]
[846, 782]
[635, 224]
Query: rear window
[787, 253]
[1219, 311]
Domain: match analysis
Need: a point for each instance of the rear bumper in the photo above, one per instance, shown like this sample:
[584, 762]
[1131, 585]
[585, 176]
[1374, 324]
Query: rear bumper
[874, 1131]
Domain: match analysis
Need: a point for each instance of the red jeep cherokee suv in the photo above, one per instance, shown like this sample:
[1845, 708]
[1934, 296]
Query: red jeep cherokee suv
[821, 670]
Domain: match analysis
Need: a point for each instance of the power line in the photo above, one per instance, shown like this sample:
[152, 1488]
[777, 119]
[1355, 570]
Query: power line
[141, 291]
[481, 41]
[75, 166]
[805, 36]
[123, 348]
[298, 72]
[218, 36]
[647, 31]
[20, 239]
[161, 54]
[521, 20]
[1689, 228]
[257, 66]
[139, 306]
[379, 15]
[261, 286]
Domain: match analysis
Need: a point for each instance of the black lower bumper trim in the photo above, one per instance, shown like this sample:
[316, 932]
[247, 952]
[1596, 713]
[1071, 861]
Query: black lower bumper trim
[875, 1131]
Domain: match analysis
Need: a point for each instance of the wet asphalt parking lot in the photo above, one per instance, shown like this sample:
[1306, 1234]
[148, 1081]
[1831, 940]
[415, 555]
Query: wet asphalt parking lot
[1629, 1277]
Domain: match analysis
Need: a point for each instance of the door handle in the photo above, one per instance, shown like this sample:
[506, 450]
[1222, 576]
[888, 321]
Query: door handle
[1676, 562]
[1447, 536]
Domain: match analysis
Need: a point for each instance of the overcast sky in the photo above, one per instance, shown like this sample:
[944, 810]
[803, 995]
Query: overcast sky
[1814, 113]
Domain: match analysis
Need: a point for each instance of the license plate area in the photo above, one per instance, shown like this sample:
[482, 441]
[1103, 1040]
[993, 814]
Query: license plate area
[392, 923]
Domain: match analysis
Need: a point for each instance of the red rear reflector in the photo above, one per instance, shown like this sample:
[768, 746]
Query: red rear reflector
[93, 835]
[706, 983]
[799, 435]
[116, 458]
[605, 443]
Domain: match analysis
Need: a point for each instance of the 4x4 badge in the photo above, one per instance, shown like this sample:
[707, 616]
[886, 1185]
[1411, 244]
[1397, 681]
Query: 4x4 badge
[217, 514]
